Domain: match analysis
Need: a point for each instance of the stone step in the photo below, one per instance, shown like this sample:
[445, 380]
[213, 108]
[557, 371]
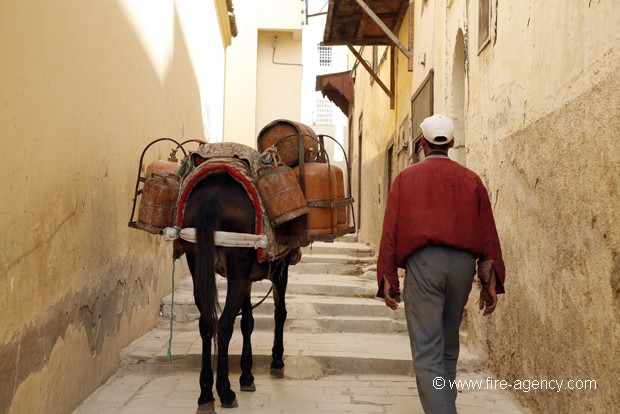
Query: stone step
[329, 322]
[333, 318]
[319, 324]
[355, 249]
[302, 284]
[322, 268]
[307, 310]
[349, 238]
[322, 265]
[319, 284]
[349, 353]
[335, 258]
[334, 325]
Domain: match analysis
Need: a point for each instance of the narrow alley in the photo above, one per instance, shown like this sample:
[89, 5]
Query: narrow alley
[94, 93]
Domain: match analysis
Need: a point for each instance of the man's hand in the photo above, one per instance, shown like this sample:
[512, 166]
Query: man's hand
[488, 295]
[391, 298]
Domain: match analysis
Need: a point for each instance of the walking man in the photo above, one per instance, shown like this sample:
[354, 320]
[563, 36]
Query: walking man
[439, 226]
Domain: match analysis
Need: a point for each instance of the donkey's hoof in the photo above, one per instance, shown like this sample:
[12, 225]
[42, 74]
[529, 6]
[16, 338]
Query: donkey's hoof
[233, 404]
[208, 408]
[248, 388]
[277, 372]
[228, 399]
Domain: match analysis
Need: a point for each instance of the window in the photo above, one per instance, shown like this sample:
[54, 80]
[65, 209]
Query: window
[324, 112]
[375, 58]
[418, 151]
[360, 136]
[421, 107]
[484, 23]
[325, 55]
[390, 165]
[403, 143]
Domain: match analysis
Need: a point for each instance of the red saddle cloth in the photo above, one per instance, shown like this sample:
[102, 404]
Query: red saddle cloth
[239, 162]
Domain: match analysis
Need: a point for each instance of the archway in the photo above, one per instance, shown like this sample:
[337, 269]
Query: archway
[458, 99]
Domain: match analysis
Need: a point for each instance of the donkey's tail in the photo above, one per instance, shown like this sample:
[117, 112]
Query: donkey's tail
[205, 290]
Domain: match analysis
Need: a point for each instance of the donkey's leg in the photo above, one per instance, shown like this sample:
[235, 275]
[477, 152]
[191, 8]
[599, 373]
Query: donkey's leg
[247, 327]
[206, 401]
[280, 280]
[235, 296]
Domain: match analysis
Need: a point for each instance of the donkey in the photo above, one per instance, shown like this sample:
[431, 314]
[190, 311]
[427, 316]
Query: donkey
[219, 203]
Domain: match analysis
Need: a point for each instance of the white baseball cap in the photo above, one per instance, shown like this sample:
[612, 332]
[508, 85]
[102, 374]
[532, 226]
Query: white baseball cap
[438, 129]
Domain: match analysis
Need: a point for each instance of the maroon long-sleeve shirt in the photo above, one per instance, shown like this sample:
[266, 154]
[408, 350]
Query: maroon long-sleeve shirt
[437, 202]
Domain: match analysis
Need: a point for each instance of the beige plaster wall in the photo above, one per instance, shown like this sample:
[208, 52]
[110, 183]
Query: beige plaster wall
[373, 105]
[278, 86]
[257, 90]
[380, 129]
[552, 189]
[538, 100]
[84, 86]
[537, 112]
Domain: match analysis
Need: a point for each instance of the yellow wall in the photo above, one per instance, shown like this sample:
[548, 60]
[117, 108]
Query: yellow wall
[380, 125]
[537, 118]
[84, 87]
[278, 86]
[372, 104]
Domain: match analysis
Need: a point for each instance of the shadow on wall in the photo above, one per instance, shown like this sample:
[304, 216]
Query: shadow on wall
[81, 99]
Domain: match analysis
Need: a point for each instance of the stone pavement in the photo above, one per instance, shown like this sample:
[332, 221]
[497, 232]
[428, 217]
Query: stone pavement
[326, 373]
[344, 351]
[129, 392]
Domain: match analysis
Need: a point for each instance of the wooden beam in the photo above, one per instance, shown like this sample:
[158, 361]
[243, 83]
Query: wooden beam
[372, 73]
[383, 27]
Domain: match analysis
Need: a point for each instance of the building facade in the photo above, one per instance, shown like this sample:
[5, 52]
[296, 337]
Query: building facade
[317, 110]
[85, 86]
[533, 89]
[264, 71]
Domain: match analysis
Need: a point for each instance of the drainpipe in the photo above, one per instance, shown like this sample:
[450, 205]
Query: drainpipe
[274, 45]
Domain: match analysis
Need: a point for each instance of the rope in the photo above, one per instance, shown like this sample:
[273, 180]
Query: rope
[169, 353]
[259, 303]
[265, 297]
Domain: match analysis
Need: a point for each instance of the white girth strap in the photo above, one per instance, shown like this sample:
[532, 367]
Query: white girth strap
[222, 238]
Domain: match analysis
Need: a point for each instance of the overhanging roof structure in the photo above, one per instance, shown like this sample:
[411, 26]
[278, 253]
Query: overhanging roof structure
[367, 22]
[349, 23]
[338, 88]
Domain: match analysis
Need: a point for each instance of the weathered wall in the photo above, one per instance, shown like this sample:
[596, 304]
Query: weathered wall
[380, 130]
[561, 316]
[537, 114]
[542, 126]
[84, 86]
[373, 105]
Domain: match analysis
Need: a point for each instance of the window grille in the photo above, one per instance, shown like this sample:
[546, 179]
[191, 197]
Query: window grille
[324, 112]
[325, 55]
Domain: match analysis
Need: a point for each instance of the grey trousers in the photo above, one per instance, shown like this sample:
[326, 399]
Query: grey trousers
[436, 289]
